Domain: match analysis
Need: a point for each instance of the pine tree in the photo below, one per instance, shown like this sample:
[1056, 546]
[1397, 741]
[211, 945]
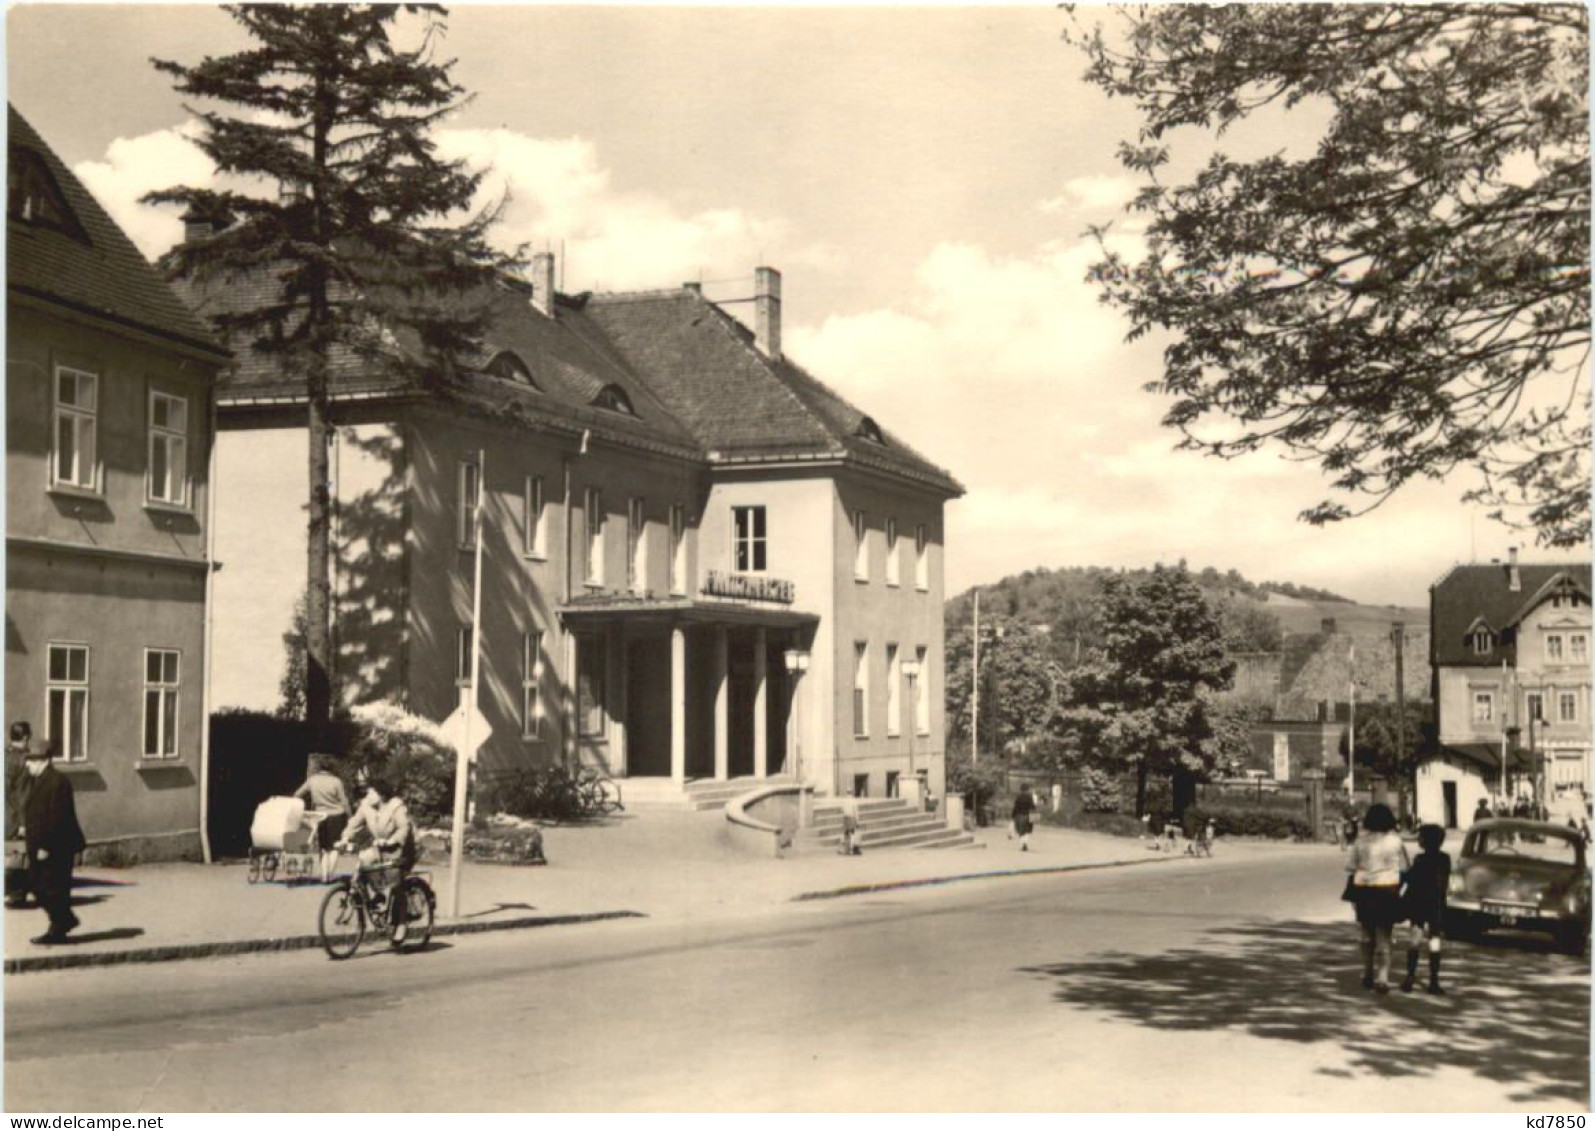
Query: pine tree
[324, 121]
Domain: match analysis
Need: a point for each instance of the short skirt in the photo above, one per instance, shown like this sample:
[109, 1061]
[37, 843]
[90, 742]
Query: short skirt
[1380, 906]
[1021, 825]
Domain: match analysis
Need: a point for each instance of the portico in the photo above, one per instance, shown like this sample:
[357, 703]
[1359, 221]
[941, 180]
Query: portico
[684, 688]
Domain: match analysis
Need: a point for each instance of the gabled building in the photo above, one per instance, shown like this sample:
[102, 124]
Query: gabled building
[1510, 655]
[109, 384]
[698, 561]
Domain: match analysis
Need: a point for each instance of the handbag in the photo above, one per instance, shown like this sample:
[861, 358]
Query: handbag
[1350, 894]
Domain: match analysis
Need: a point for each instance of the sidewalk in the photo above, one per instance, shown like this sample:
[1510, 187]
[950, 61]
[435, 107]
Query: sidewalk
[658, 864]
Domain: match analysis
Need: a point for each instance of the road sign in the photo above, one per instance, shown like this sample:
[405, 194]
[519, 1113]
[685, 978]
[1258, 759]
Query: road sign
[453, 729]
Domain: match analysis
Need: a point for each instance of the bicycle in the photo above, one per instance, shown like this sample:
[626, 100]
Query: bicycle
[360, 900]
[599, 793]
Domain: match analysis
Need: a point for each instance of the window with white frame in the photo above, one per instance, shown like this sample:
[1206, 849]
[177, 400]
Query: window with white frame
[860, 547]
[67, 701]
[168, 455]
[464, 645]
[162, 687]
[921, 557]
[593, 516]
[894, 696]
[748, 540]
[1481, 642]
[1483, 706]
[921, 694]
[1553, 647]
[860, 690]
[1578, 647]
[591, 678]
[469, 496]
[636, 546]
[678, 548]
[534, 520]
[1567, 707]
[76, 427]
[893, 568]
[1534, 706]
[531, 684]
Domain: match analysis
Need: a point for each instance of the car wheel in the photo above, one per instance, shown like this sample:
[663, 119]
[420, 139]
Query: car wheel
[1573, 938]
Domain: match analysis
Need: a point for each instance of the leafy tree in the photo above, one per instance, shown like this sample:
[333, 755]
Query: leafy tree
[1017, 683]
[291, 687]
[1141, 704]
[1229, 743]
[1248, 627]
[1413, 296]
[338, 197]
[1377, 748]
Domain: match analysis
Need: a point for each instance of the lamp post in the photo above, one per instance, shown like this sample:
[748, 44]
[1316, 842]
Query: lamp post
[797, 662]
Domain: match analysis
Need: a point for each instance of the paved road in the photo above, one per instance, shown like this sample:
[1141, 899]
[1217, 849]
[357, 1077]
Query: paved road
[1199, 985]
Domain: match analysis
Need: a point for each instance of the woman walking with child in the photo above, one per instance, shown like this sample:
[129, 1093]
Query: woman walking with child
[1376, 863]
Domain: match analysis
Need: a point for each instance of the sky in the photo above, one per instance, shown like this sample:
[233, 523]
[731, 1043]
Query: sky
[923, 178]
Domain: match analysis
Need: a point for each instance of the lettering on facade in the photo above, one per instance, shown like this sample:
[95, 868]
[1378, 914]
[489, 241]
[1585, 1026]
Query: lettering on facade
[748, 587]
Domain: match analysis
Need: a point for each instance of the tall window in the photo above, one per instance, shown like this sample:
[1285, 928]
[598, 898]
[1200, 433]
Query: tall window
[1578, 647]
[593, 515]
[1535, 702]
[921, 696]
[168, 462]
[860, 690]
[76, 408]
[893, 571]
[470, 495]
[531, 684]
[533, 524]
[161, 689]
[678, 548]
[636, 546]
[894, 697]
[591, 672]
[921, 557]
[860, 548]
[1567, 707]
[1483, 706]
[1553, 647]
[464, 641]
[748, 539]
[67, 691]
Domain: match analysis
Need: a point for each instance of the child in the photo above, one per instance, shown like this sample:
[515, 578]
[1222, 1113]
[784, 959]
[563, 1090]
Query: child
[849, 846]
[1427, 880]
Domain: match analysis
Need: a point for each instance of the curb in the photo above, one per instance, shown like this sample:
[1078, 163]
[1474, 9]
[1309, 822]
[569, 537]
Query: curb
[178, 952]
[895, 885]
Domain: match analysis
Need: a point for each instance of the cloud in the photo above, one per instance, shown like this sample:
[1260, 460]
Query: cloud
[1094, 193]
[137, 165]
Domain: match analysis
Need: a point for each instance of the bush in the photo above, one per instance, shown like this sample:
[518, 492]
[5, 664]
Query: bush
[979, 784]
[548, 793]
[410, 751]
[1100, 791]
[1259, 822]
[1118, 824]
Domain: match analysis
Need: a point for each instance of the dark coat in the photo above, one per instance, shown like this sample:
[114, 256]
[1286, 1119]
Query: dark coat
[50, 817]
[1427, 881]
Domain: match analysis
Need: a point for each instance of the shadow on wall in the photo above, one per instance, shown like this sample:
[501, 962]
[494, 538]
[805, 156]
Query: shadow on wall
[1518, 1019]
[369, 621]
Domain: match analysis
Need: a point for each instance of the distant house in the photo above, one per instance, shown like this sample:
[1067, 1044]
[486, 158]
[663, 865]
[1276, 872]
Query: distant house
[1510, 651]
[109, 380]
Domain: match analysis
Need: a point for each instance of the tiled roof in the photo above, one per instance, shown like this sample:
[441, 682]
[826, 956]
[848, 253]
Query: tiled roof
[96, 270]
[738, 403]
[1482, 592]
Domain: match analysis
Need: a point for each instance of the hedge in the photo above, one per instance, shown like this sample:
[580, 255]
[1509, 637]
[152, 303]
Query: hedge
[1240, 821]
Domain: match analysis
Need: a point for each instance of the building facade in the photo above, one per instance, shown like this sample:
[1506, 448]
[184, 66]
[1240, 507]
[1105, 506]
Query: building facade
[697, 561]
[109, 385]
[1511, 661]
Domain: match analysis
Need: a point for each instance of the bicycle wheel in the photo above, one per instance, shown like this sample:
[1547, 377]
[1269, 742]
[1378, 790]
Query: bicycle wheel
[420, 908]
[342, 922]
[608, 796]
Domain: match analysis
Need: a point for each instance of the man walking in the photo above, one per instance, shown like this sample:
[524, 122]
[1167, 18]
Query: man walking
[53, 838]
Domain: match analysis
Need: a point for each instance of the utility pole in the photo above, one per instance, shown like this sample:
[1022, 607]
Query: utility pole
[1398, 633]
[974, 710]
[1351, 729]
[466, 754]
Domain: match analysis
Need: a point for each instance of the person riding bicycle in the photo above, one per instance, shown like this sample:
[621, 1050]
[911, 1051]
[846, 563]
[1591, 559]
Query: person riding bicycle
[393, 843]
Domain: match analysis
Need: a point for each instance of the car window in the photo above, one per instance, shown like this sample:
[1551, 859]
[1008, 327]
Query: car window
[1531, 846]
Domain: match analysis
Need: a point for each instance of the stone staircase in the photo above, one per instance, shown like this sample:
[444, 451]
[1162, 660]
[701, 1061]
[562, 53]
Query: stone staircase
[882, 823]
[699, 795]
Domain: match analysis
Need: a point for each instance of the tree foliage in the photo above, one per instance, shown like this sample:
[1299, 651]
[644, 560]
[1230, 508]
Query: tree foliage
[1410, 298]
[1141, 703]
[1378, 751]
[331, 188]
[1018, 682]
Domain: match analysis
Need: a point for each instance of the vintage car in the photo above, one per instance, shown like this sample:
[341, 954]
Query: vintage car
[1526, 875]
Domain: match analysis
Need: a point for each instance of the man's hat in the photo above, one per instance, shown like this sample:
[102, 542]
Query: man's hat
[37, 748]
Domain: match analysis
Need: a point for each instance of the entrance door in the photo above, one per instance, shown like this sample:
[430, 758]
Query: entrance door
[648, 707]
[1448, 791]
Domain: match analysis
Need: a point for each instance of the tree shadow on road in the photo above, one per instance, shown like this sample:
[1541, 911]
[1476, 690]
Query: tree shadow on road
[1514, 1014]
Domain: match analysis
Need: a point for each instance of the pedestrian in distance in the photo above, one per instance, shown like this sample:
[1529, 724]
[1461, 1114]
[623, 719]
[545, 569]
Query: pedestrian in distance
[16, 793]
[53, 838]
[849, 846]
[324, 793]
[1024, 811]
[1376, 863]
[1427, 882]
[1482, 812]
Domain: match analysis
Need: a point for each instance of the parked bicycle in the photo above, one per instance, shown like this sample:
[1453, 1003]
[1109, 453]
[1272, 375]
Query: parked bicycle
[361, 902]
[599, 793]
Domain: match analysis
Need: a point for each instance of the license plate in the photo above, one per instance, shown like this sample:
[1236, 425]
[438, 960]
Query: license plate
[1507, 913]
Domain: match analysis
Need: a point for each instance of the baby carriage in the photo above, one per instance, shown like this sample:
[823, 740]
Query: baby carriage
[283, 835]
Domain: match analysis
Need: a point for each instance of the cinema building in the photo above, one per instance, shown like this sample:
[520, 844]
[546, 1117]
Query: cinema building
[698, 562]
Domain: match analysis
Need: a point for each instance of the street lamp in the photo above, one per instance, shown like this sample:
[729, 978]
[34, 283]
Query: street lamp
[797, 662]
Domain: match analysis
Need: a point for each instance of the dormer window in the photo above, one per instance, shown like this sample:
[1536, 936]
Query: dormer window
[1481, 641]
[32, 195]
[614, 398]
[507, 366]
[871, 431]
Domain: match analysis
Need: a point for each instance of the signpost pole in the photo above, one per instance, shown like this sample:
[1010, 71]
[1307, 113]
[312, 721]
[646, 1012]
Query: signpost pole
[467, 751]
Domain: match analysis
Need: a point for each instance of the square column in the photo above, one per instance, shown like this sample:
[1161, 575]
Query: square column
[678, 705]
[761, 708]
[722, 706]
